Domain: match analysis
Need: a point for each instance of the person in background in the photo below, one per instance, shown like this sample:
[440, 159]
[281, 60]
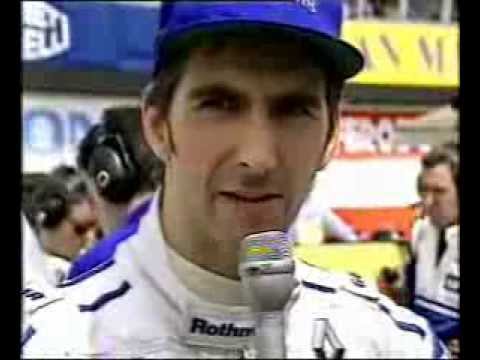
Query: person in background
[122, 173]
[30, 182]
[121, 170]
[34, 268]
[317, 223]
[36, 279]
[62, 224]
[81, 199]
[433, 276]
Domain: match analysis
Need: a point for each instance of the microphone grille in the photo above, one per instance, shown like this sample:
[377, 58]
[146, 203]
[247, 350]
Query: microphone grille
[265, 246]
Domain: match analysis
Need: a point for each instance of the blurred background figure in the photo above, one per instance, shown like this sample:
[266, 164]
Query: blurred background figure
[81, 199]
[30, 182]
[316, 224]
[434, 272]
[34, 268]
[61, 217]
[122, 174]
[37, 280]
[121, 170]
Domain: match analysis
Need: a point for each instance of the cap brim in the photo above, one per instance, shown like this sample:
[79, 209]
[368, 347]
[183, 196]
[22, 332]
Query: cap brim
[344, 60]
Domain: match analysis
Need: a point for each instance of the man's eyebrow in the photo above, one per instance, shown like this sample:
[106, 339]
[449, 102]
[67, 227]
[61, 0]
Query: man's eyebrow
[297, 96]
[212, 90]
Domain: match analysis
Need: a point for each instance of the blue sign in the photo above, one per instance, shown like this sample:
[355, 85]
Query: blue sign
[88, 36]
[46, 131]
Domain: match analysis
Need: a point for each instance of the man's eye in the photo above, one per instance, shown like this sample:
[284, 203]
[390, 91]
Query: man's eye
[298, 112]
[303, 111]
[223, 104]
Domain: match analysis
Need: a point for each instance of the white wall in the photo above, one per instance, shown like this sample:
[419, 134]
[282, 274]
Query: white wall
[368, 183]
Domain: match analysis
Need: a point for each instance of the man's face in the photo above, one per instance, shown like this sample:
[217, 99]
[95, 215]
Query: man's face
[83, 219]
[249, 128]
[74, 232]
[439, 195]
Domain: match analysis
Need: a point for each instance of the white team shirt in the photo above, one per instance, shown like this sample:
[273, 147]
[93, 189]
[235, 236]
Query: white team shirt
[315, 221]
[38, 283]
[137, 305]
[33, 261]
[58, 267]
[437, 286]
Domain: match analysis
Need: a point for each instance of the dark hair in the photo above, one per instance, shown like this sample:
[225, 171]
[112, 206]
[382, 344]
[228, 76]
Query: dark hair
[50, 203]
[160, 91]
[126, 123]
[73, 180]
[443, 155]
[64, 172]
[30, 182]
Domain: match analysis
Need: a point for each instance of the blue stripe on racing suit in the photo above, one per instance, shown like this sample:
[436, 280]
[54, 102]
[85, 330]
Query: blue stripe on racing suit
[444, 326]
[106, 298]
[105, 248]
[403, 325]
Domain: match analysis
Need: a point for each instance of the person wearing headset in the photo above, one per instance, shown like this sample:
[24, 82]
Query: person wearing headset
[63, 222]
[122, 173]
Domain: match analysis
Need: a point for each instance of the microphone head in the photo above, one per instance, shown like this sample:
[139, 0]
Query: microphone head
[265, 253]
[266, 270]
[265, 246]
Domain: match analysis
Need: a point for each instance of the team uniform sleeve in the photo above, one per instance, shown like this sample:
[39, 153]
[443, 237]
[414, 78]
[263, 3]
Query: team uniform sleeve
[399, 331]
[410, 335]
[58, 330]
[336, 227]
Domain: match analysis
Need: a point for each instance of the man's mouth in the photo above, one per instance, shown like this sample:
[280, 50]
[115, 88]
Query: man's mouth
[250, 197]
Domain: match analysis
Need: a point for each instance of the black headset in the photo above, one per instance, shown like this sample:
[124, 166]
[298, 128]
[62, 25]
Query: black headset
[50, 203]
[112, 166]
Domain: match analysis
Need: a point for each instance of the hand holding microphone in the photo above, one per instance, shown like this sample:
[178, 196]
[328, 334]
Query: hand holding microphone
[266, 270]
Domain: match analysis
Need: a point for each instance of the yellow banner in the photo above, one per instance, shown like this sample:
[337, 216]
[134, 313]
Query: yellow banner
[406, 54]
[365, 259]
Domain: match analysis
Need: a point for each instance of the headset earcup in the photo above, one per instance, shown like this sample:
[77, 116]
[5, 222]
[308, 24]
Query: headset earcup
[52, 212]
[50, 204]
[114, 178]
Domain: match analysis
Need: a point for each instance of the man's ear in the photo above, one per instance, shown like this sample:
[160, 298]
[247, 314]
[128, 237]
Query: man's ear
[332, 144]
[155, 131]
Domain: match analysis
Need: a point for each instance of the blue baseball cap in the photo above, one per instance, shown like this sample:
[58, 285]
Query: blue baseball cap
[318, 21]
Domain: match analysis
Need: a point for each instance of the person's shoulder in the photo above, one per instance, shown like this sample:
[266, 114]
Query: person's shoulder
[346, 285]
[64, 325]
[57, 329]
[103, 283]
[101, 255]
[397, 330]
[37, 294]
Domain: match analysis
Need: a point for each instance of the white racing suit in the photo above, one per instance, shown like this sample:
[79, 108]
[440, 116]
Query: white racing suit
[134, 306]
[436, 286]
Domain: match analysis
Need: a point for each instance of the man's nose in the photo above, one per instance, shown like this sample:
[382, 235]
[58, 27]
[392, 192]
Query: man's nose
[428, 200]
[258, 149]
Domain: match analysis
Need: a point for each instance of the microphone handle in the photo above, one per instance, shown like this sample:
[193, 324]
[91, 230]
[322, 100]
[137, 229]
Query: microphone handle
[270, 335]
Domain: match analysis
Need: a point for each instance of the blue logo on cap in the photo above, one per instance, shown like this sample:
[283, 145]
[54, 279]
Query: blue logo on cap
[310, 5]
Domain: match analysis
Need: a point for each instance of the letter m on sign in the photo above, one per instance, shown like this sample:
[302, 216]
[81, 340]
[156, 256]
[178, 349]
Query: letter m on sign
[432, 53]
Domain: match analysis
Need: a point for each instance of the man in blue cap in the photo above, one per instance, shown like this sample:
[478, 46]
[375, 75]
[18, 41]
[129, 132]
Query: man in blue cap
[243, 111]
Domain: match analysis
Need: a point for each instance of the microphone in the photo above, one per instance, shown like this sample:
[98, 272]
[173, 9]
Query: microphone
[266, 270]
